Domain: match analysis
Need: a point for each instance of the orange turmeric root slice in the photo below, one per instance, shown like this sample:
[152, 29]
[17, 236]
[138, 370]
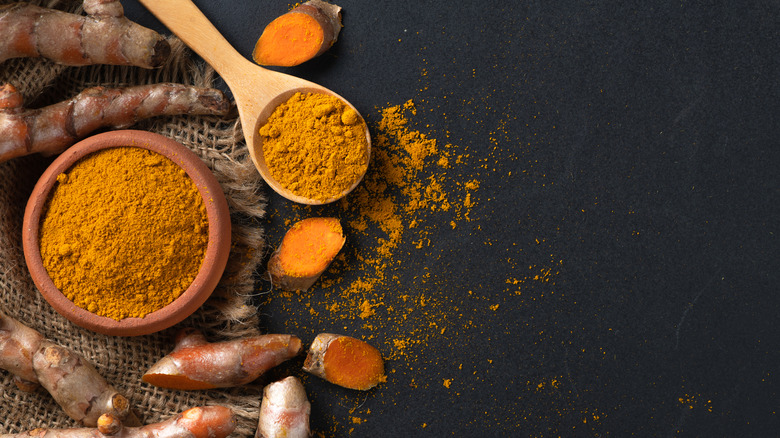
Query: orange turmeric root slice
[299, 35]
[306, 251]
[197, 364]
[345, 361]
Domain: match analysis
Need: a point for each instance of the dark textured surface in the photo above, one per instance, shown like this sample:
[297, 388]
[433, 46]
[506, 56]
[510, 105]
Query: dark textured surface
[627, 155]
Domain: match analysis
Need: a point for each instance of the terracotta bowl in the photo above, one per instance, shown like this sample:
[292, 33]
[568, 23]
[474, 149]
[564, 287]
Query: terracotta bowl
[217, 249]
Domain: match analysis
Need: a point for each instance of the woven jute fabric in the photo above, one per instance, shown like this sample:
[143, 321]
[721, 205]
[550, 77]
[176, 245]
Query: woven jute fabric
[229, 312]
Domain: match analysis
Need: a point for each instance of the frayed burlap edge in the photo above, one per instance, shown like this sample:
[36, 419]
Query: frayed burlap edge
[229, 313]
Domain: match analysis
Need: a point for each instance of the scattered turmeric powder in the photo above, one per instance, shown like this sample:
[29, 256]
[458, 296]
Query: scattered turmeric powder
[315, 146]
[124, 232]
[417, 183]
[394, 198]
[305, 32]
[305, 253]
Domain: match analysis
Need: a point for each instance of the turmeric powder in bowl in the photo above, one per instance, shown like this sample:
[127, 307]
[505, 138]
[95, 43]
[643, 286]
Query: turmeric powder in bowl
[124, 232]
[315, 146]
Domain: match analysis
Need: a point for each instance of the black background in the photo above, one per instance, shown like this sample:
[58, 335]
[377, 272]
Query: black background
[626, 153]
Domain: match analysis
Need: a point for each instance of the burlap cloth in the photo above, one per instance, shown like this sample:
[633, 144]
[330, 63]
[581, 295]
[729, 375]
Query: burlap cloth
[229, 313]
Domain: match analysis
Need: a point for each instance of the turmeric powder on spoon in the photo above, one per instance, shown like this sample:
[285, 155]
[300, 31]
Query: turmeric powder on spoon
[315, 146]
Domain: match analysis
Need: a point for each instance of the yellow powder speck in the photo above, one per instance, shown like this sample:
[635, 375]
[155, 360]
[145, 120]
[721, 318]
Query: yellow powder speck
[494, 307]
[447, 382]
[366, 309]
[472, 185]
[400, 344]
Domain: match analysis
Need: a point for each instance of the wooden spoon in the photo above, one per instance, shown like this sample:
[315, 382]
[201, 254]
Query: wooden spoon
[257, 91]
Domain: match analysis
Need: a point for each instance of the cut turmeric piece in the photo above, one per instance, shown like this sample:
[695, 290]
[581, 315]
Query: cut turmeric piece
[306, 251]
[304, 33]
[345, 361]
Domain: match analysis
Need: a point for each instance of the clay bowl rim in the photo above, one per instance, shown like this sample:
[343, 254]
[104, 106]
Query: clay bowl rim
[217, 249]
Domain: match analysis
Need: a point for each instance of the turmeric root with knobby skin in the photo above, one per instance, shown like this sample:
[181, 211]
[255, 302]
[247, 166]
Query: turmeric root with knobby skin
[72, 381]
[200, 422]
[18, 343]
[104, 36]
[196, 363]
[307, 250]
[345, 361]
[304, 33]
[52, 129]
[284, 411]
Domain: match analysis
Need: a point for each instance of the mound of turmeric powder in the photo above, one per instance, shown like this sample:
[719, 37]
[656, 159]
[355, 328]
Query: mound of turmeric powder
[315, 146]
[124, 232]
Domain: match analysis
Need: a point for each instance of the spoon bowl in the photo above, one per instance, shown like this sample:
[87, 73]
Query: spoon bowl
[256, 90]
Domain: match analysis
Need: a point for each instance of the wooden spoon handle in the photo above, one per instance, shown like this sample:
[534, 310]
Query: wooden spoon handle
[183, 18]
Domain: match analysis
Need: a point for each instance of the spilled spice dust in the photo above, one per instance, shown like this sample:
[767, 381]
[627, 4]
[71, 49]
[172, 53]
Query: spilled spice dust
[414, 183]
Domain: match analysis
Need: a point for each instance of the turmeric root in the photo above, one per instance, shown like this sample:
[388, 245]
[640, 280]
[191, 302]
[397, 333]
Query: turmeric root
[200, 422]
[306, 251]
[196, 363]
[72, 381]
[345, 361]
[284, 411]
[299, 35]
[18, 343]
[53, 129]
[104, 36]
[76, 385]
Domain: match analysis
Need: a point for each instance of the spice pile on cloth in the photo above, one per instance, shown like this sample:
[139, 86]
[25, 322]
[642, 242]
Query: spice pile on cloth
[228, 314]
